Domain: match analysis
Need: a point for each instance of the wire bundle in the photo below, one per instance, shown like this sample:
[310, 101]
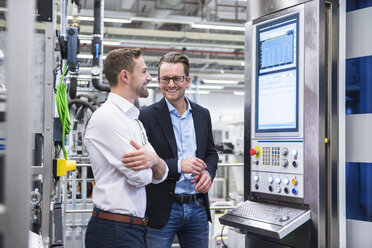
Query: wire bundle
[62, 107]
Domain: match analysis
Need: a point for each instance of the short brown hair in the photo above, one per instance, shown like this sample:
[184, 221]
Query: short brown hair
[173, 58]
[118, 60]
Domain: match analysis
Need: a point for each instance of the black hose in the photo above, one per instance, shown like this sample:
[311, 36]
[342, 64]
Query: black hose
[90, 99]
[79, 102]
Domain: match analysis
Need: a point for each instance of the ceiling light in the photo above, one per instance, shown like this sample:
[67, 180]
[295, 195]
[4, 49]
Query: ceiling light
[238, 93]
[217, 26]
[151, 85]
[88, 56]
[210, 87]
[217, 81]
[201, 92]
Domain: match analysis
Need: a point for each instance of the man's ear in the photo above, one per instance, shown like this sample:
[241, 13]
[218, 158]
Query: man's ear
[188, 81]
[124, 76]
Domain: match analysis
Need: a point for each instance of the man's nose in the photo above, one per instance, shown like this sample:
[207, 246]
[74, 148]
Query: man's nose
[171, 82]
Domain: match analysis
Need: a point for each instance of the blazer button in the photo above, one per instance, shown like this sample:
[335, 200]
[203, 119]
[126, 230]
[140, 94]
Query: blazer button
[170, 193]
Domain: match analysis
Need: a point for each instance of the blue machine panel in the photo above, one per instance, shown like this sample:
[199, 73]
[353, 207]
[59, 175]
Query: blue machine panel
[359, 191]
[358, 85]
[357, 4]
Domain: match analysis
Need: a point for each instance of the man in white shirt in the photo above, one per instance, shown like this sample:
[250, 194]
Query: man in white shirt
[119, 195]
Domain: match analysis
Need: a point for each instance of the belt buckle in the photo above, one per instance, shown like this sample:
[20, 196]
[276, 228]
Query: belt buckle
[144, 221]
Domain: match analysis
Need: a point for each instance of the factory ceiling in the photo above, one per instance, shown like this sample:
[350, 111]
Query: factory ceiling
[209, 32]
[159, 26]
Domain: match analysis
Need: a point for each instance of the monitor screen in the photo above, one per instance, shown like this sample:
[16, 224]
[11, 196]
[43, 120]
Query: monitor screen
[277, 76]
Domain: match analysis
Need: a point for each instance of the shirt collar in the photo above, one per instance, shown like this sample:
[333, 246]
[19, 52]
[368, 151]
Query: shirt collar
[174, 110]
[124, 105]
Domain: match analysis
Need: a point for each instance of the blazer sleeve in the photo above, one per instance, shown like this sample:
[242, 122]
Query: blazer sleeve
[211, 155]
[155, 137]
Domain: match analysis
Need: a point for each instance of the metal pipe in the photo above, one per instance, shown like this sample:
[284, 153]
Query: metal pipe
[63, 18]
[97, 48]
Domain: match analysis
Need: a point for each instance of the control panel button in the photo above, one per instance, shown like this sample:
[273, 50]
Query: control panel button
[278, 189]
[284, 151]
[253, 152]
[284, 218]
[294, 181]
[278, 180]
[295, 164]
[270, 180]
[256, 178]
[286, 181]
[256, 186]
[284, 162]
[294, 191]
[286, 190]
[257, 162]
[271, 188]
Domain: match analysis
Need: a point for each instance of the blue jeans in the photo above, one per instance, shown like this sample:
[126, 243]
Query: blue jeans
[109, 234]
[188, 221]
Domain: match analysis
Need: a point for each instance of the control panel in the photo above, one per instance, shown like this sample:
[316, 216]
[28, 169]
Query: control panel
[277, 167]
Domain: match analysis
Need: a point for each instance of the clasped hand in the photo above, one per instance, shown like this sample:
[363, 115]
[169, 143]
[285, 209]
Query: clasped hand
[197, 167]
[139, 159]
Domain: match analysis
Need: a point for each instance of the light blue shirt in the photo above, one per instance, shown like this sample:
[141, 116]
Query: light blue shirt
[184, 132]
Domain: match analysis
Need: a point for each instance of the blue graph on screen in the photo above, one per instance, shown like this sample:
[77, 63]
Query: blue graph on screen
[277, 51]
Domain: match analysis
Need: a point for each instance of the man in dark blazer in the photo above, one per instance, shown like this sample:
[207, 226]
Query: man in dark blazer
[181, 133]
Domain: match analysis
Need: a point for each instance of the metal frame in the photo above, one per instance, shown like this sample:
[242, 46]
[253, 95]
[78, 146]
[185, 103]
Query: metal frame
[46, 170]
[320, 114]
[48, 151]
[19, 122]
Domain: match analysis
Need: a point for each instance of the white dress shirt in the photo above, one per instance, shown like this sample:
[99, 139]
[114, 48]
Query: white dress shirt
[117, 189]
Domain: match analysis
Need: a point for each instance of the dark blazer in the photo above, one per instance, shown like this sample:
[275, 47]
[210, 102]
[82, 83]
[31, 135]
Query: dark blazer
[158, 124]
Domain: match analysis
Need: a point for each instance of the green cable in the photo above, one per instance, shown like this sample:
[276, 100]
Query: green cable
[62, 107]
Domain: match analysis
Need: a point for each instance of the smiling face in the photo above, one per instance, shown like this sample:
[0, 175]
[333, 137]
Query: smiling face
[140, 77]
[173, 92]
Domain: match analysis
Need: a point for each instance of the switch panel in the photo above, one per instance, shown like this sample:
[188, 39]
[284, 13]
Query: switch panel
[279, 167]
[284, 156]
[278, 184]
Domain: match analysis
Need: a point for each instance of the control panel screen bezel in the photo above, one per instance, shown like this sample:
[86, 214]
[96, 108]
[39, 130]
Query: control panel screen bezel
[296, 129]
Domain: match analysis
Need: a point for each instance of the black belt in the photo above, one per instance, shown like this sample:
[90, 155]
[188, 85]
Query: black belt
[120, 217]
[184, 199]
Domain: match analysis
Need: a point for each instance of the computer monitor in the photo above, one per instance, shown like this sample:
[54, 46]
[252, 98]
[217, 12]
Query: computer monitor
[277, 76]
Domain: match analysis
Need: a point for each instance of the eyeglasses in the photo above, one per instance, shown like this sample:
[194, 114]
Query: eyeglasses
[176, 79]
[142, 130]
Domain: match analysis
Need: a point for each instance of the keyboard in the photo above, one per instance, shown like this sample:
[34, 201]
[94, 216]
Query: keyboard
[272, 214]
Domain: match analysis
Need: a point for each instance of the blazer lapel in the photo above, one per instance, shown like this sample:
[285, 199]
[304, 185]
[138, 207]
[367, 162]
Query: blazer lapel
[197, 116]
[165, 123]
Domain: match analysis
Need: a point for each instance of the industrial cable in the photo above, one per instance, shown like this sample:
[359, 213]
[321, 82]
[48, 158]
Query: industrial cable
[223, 242]
[62, 107]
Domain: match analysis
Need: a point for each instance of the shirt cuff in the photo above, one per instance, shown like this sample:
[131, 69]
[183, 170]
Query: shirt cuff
[179, 166]
[154, 181]
[209, 174]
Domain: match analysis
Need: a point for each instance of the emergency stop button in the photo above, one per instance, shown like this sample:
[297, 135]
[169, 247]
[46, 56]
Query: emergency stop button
[255, 151]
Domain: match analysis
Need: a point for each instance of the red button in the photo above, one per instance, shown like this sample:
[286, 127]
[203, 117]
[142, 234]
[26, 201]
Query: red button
[253, 152]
